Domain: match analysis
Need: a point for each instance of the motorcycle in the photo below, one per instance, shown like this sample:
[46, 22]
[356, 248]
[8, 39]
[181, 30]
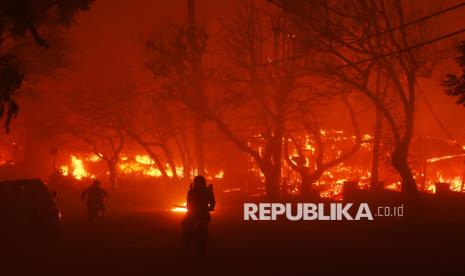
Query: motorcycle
[195, 233]
[195, 223]
[96, 212]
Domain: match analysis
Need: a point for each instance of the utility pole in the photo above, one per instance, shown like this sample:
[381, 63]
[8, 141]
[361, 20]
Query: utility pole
[197, 95]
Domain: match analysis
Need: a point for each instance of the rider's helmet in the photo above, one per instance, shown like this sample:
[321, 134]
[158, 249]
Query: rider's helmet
[96, 183]
[200, 182]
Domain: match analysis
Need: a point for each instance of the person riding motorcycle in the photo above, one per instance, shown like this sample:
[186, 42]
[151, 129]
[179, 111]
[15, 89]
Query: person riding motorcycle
[200, 202]
[93, 196]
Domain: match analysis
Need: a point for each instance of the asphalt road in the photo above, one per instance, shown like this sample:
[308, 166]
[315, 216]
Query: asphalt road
[147, 242]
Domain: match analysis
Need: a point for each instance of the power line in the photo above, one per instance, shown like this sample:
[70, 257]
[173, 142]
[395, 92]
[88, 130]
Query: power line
[439, 122]
[418, 20]
[419, 45]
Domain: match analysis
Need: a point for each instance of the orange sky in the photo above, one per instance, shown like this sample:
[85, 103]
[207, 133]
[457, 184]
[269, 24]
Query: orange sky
[106, 43]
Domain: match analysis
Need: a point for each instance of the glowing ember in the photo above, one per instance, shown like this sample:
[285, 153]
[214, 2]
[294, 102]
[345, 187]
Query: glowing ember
[445, 157]
[93, 158]
[123, 158]
[393, 186]
[219, 175]
[180, 208]
[64, 170]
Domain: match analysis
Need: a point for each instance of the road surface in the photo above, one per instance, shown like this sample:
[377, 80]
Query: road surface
[147, 242]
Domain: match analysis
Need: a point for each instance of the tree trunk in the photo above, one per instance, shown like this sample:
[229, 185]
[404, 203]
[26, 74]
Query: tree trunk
[400, 154]
[308, 180]
[376, 150]
[305, 185]
[198, 146]
[160, 165]
[400, 163]
[184, 154]
[112, 174]
[155, 159]
[272, 182]
[171, 164]
[276, 148]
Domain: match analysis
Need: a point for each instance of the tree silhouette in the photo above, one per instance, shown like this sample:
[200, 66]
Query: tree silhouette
[364, 44]
[96, 124]
[260, 96]
[18, 18]
[455, 85]
[173, 53]
[157, 126]
[11, 77]
[310, 173]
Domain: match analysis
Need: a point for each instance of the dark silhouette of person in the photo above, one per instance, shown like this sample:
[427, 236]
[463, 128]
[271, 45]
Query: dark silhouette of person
[93, 196]
[200, 202]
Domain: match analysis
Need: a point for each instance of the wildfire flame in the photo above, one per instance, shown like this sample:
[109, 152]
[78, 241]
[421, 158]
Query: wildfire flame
[138, 165]
[144, 165]
[144, 159]
[357, 168]
[329, 185]
[219, 175]
[78, 168]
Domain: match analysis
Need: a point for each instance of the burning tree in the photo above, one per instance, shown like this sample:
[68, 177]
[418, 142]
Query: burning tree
[311, 168]
[260, 94]
[367, 43]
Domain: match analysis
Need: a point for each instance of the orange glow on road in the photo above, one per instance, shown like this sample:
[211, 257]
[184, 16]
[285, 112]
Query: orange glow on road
[180, 208]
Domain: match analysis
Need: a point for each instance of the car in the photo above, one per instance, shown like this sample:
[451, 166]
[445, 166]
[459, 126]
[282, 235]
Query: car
[27, 207]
